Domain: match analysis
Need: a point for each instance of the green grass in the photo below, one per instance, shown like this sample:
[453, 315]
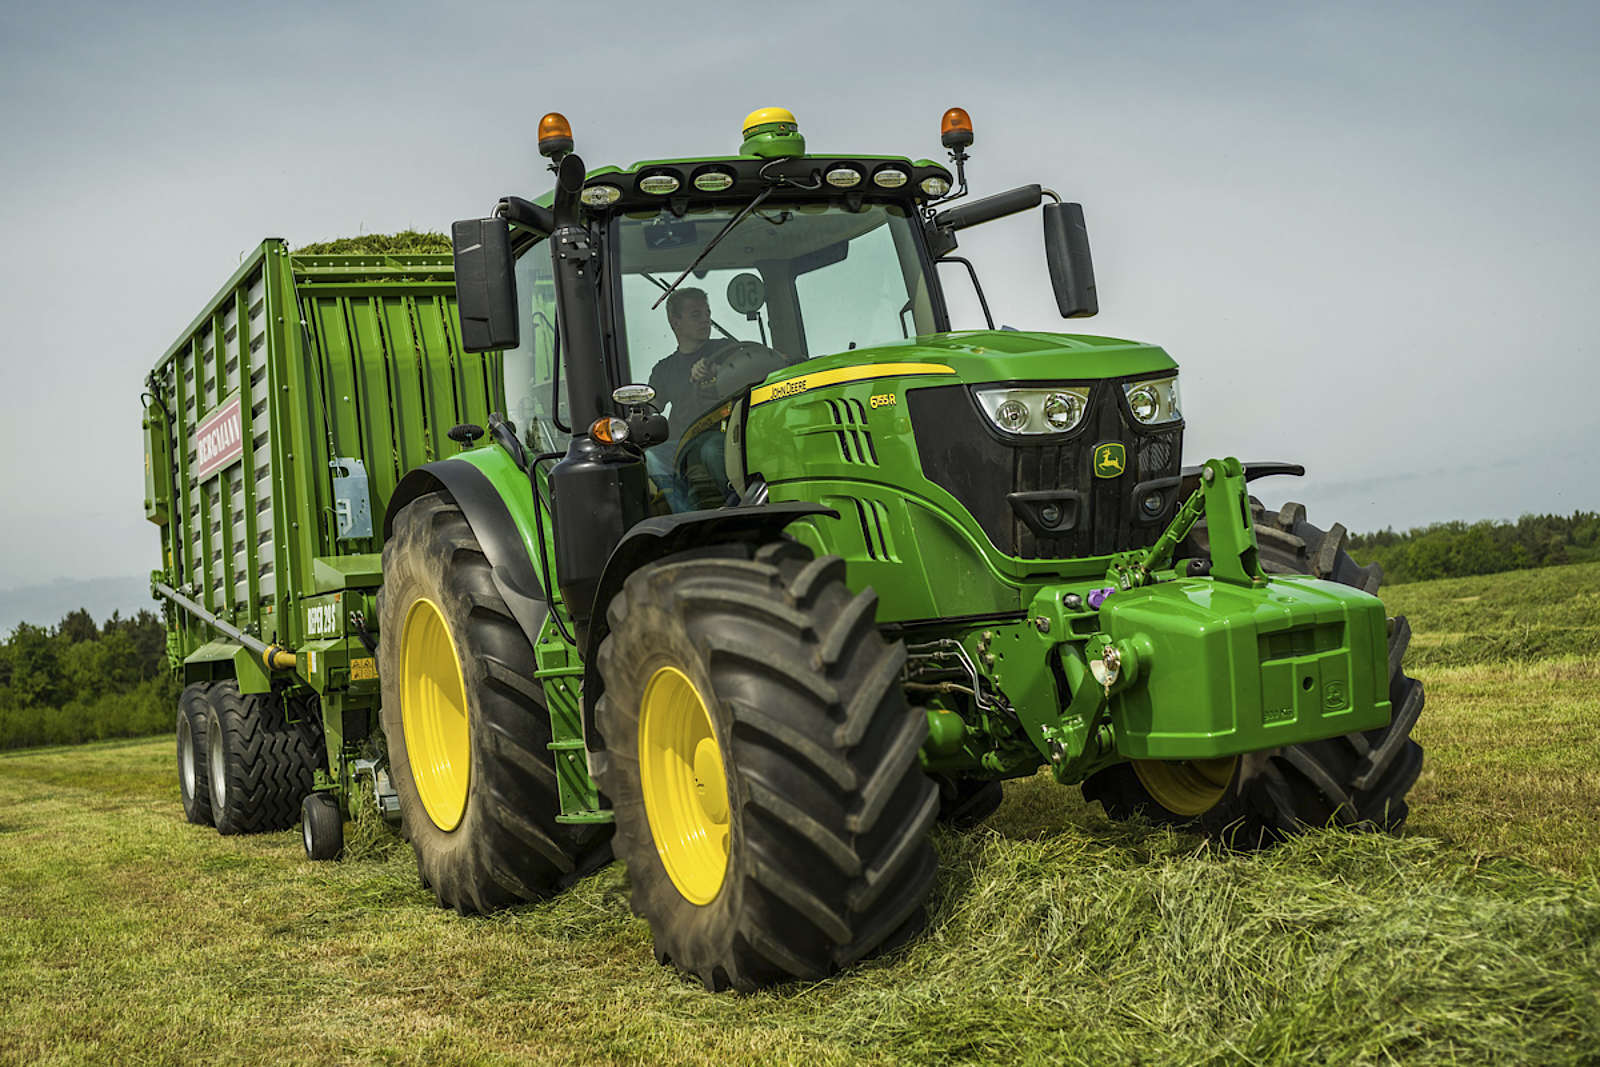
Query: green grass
[1519, 615]
[1054, 936]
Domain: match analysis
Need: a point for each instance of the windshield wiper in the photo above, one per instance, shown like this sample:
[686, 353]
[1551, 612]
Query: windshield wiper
[665, 289]
[711, 244]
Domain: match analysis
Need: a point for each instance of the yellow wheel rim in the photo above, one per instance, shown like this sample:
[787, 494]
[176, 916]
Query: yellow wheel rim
[433, 711]
[1186, 787]
[684, 785]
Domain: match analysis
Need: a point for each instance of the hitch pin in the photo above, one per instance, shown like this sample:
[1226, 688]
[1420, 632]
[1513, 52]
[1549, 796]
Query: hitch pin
[1107, 669]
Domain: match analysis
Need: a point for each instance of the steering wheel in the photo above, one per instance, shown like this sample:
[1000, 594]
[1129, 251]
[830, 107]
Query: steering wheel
[737, 365]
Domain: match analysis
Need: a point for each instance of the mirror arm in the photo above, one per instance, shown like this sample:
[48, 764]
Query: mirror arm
[526, 213]
[990, 208]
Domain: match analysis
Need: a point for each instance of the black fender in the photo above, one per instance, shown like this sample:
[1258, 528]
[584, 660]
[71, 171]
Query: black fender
[515, 575]
[667, 535]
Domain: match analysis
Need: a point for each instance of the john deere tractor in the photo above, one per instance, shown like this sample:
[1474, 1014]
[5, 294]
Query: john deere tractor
[840, 571]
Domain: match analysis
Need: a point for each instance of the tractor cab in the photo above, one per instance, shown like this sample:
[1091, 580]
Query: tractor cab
[703, 320]
[712, 275]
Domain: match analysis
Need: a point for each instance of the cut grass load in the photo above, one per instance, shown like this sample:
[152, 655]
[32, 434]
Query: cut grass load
[1055, 935]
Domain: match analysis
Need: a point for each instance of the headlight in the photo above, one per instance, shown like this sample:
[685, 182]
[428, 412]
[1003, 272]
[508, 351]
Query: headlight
[1154, 401]
[1031, 411]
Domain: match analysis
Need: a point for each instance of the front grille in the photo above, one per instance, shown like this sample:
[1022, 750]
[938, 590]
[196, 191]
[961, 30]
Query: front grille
[1010, 483]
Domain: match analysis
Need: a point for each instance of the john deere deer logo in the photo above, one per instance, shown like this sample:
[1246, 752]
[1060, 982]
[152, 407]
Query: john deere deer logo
[1110, 459]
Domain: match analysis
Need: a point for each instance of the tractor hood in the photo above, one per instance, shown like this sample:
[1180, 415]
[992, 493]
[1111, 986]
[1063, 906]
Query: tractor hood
[903, 415]
[1005, 355]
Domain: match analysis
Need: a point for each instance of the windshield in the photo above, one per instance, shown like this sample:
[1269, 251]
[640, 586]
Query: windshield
[791, 282]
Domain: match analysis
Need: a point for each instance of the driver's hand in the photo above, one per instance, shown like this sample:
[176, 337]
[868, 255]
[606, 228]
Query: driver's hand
[700, 372]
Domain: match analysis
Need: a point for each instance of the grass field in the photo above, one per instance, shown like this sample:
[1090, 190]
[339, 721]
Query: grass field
[1055, 936]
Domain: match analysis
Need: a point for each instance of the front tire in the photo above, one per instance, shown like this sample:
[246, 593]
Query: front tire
[467, 730]
[1359, 780]
[966, 802]
[762, 762]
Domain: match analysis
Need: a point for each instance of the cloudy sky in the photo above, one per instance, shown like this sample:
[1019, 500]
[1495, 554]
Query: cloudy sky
[1367, 232]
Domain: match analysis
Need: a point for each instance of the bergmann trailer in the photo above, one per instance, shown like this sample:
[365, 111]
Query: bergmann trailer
[275, 429]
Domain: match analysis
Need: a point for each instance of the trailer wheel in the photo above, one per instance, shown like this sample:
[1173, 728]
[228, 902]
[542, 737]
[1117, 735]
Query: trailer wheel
[321, 826]
[467, 729]
[762, 762]
[193, 781]
[1359, 780]
[258, 764]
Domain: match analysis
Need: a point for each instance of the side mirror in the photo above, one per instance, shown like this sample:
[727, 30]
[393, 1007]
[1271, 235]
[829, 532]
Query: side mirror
[486, 287]
[1066, 250]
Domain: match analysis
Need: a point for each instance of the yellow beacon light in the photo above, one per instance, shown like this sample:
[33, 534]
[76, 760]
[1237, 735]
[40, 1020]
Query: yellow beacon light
[555, 135]
[955, 131]
[770, 132]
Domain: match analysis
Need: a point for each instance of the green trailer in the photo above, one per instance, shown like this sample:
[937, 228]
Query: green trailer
[275, 429]
[693, 533]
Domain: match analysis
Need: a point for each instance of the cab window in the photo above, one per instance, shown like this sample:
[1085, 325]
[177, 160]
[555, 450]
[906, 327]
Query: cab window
[538, 409]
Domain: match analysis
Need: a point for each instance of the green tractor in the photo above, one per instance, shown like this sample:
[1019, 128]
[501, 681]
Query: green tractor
[765, 570]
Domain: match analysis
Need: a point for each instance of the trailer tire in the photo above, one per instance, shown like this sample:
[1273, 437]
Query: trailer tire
[1358, 781]
[259, 765]
[193, 784]
[461, 701]
[776, 827]
[321, 826]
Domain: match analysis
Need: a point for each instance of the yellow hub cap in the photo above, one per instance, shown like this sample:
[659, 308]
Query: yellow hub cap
[684, 785]
[433, 710]
[1186, 787]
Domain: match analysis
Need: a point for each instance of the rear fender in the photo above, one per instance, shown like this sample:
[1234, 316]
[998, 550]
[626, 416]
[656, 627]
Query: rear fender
[497, 500]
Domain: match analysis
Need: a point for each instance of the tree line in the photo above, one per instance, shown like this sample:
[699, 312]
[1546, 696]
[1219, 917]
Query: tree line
[78, 681]
[1461, 549]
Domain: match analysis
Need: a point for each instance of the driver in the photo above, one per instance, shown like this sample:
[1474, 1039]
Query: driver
[680, 378]
[683, 382]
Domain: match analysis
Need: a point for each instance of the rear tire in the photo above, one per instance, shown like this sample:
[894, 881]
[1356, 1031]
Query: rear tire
[775, 826]
[461, 702]
[259, 766]
[193, 782]
[1359, 780]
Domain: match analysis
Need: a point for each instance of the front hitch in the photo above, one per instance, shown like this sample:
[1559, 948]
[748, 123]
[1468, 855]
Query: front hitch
[1186, 667]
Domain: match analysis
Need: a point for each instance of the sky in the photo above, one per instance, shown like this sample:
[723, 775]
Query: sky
[1367, 233]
